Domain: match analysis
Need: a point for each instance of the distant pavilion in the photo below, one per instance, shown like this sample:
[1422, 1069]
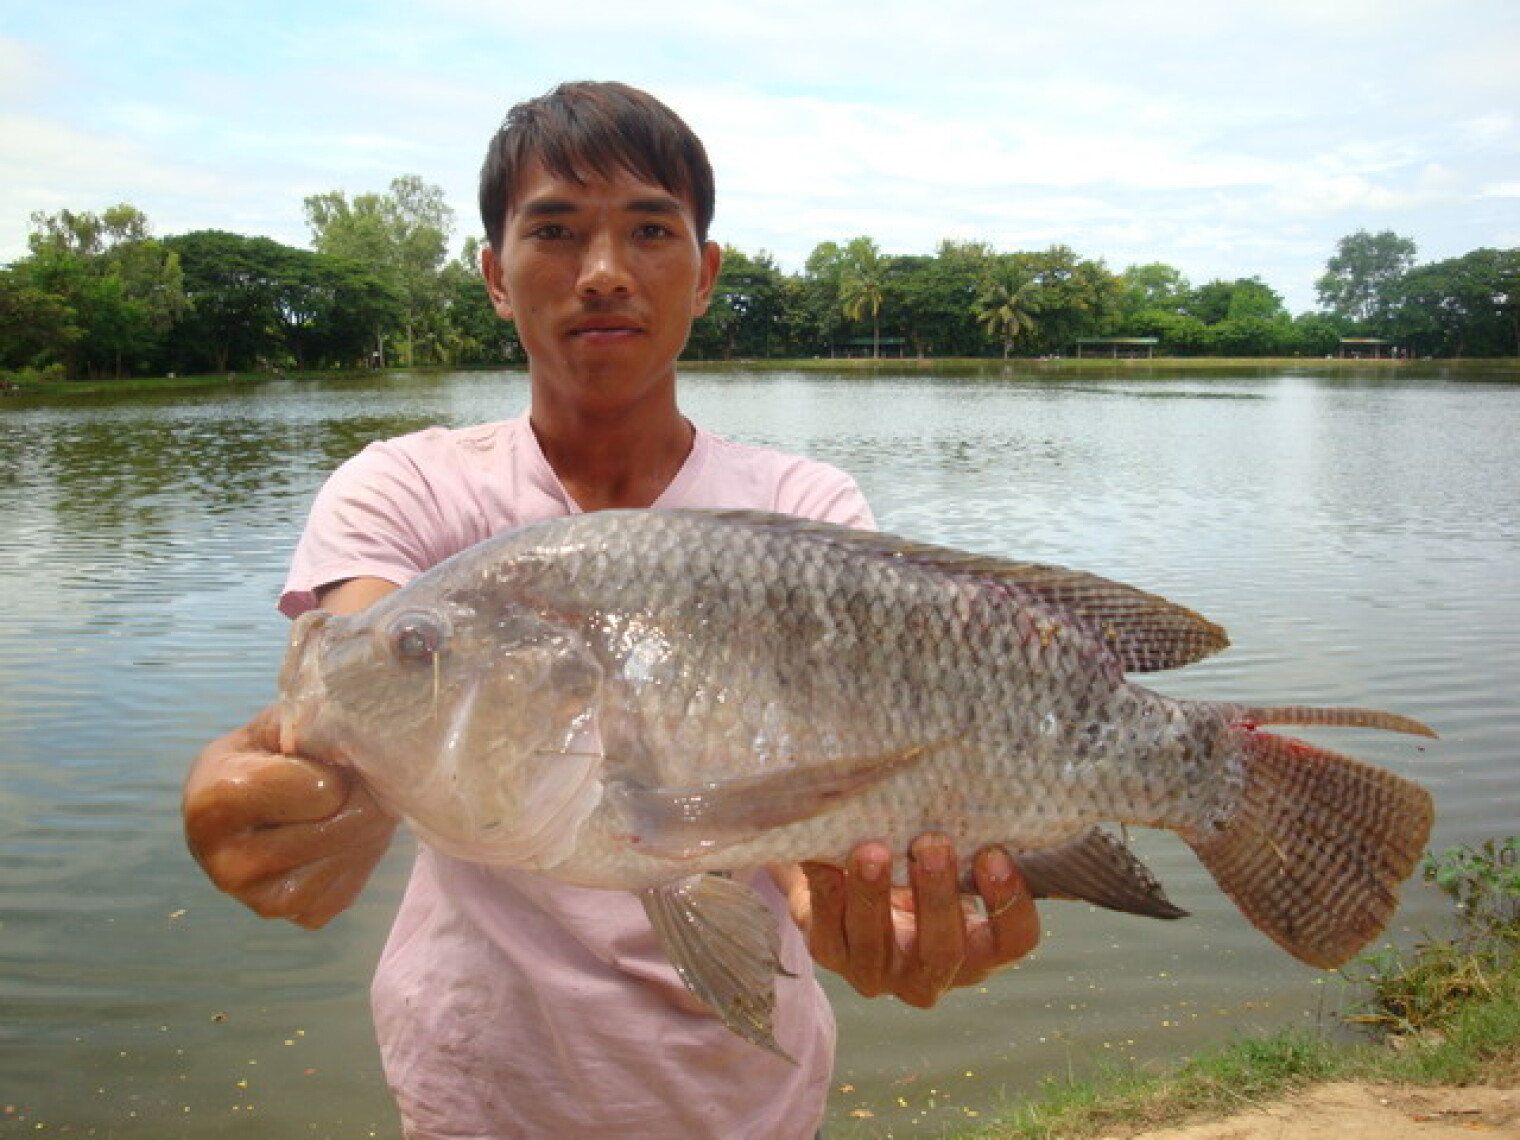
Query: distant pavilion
[887, 346]
[1361, 347]
[1117, 347]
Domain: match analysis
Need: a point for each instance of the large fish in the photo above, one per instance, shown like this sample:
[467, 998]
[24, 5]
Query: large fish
[632, 699]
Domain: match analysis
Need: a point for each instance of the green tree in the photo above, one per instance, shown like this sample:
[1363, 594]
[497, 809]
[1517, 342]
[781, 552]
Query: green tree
[1317, 334]
[37, 328]
[1152, 287]
[1219, 300]
[1249, 336]
[935, 296]
[1007, 303]
[474, 332]
[1210, 302]
[255, 303]
[1463, 306]
[747, 315]
[1077, 297]
[1360, 277]
[232, 284]
[402, 237]
[123, 289]
[1253, 298]
[328, 308]
[1181, 334]
[817, 314]
[862, 285]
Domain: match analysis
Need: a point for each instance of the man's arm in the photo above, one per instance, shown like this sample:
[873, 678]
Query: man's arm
[286, 835]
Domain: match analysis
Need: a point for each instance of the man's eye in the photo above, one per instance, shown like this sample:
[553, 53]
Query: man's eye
[653, 230]
[551, 232]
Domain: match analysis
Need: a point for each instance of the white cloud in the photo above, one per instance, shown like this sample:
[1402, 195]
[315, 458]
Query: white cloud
[1230, 139]
[1488, 129]
[21, 70]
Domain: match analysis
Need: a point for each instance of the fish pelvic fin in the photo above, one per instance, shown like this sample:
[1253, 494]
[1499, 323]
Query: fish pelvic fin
[683, 822]
[724, 944]
[1318, 847]
[1096, 867]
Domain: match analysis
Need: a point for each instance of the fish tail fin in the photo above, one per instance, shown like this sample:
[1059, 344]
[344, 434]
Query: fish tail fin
[1317, 847]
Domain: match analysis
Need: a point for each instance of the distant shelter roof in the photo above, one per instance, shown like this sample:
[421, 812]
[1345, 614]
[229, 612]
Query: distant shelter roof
[1361, 346]
[1114, 347]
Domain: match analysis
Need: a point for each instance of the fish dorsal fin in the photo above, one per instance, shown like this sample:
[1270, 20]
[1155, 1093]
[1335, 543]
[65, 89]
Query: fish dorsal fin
[1145, 632]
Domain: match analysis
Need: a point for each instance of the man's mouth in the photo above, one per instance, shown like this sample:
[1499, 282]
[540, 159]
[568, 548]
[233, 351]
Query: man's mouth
[595, 328]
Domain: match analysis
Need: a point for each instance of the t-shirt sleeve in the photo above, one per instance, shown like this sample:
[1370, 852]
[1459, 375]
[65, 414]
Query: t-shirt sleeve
[813, 490]
[369, 520]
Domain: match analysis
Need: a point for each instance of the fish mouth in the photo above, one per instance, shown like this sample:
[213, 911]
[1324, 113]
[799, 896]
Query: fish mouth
[300, 683]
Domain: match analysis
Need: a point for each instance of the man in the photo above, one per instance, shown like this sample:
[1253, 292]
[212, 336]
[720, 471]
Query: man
[507, 1005]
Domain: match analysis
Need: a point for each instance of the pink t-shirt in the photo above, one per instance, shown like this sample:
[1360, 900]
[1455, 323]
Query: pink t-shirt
[508, 1005]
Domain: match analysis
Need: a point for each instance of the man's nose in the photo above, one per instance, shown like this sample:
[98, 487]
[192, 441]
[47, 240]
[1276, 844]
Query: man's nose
[604, 269]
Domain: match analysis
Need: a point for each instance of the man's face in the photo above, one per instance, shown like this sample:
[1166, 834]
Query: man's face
[602, 279]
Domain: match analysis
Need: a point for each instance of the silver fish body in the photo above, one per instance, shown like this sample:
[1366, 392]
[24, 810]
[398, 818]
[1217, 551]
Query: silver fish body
[631, 699]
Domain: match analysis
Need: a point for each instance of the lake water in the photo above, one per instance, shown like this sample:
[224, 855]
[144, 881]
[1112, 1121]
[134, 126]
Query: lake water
[1357, 532]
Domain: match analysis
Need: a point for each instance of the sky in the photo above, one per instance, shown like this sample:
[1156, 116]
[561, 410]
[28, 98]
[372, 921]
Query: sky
[1226, 138]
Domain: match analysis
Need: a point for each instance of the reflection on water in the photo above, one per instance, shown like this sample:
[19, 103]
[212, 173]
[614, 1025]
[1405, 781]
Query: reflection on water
[1358, 537]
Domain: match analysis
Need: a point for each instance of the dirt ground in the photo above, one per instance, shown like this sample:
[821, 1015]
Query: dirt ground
[1348, 1111]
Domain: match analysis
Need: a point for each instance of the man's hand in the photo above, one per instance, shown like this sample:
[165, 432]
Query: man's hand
[287, 836]
[916, 942]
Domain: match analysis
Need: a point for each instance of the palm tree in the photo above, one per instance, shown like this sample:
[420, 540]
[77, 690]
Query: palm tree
[1007, 304]
[862, 278]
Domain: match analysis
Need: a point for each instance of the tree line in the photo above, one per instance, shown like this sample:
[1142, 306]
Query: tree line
[100, 295]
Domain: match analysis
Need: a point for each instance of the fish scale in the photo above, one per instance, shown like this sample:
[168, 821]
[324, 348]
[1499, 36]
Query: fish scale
[632, 699]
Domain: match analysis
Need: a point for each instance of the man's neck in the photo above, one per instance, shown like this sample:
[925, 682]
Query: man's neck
[624, 460]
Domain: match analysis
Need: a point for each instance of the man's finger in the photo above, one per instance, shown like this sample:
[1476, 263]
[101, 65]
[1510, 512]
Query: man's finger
[1012, 927]
[824, 915]
[941, 919]
[868, 930]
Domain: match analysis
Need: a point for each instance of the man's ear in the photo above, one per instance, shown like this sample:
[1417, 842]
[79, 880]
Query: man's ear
[707, 279]
[490, 269]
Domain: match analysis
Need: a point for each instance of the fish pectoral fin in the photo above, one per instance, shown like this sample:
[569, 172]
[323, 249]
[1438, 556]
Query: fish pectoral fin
[681, 823]
[723, 941]
[1099, 868]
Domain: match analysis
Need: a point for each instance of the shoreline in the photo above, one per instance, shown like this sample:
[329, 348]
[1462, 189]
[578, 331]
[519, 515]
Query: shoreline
[992, 367]
[1439, 1022]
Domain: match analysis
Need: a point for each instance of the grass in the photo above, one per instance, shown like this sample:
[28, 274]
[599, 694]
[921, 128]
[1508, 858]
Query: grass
[52, 384]
[1445, 1013]
[1480, 1040]
[1215, 1083]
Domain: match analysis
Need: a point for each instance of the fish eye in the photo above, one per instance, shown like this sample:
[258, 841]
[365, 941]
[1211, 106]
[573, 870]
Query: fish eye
[415, 637]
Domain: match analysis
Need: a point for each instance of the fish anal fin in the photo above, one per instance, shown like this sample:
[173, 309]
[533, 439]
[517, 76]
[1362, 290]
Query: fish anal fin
[1099, 868]
[683, 822]
[1317, 847]
[724, 944]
